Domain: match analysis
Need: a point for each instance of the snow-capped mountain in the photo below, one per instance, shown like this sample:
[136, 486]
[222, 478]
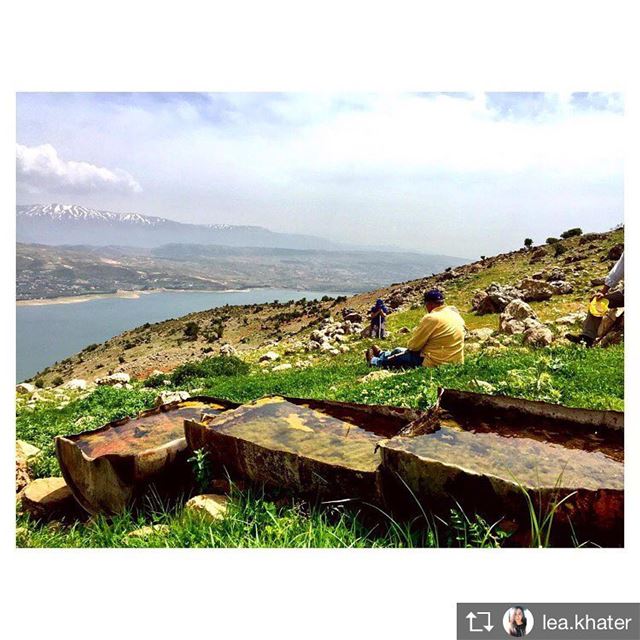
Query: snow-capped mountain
[71, 224]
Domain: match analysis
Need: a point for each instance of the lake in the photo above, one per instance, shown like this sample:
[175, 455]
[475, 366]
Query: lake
[51, 332]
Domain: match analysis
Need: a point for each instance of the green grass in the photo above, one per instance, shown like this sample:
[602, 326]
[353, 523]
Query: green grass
[255, 521]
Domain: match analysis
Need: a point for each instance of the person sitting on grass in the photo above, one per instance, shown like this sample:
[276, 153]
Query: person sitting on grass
[438, 339]
[615, 299]
[378, 315]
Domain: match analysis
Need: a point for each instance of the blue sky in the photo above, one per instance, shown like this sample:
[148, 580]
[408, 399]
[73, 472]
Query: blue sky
[457, 173]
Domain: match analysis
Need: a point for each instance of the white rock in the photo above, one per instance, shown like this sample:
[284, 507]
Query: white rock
[210, 505]
[25, 450]
[114, 379]
[228, 350]
[171, 396]
[270, 356]
[77, 384]
[282, 367]
[25, 387]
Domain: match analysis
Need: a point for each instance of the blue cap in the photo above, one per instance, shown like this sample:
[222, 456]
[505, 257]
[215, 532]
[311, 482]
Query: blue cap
[434, 295]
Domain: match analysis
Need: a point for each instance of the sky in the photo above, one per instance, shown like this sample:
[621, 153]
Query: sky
[462, 174]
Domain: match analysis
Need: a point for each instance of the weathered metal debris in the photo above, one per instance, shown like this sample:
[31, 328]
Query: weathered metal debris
[108, 468]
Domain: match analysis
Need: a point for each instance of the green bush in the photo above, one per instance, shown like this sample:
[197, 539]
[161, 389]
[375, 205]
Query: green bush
[552, 240]
[191, 330]
[57, 381]
[153, 382]
[571, 233]
[559, 249]
[209, 368]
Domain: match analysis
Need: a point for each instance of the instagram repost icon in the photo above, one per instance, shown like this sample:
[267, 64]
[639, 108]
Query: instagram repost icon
[517, 622]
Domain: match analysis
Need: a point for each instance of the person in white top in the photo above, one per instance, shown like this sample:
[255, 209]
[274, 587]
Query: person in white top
[615, 298]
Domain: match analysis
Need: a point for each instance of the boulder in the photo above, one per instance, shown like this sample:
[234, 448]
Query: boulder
[517, 317]
[77, 384]
[538, 255]
[396, 300]
[25, 388]
[351, 315]
[171, 396]
[46, 498]
[404, 330]
[586, 238]
[597, 282]
[228, 350]
[561, 287]
[22, 474]
[616, 251]
[282, 367]
[494, 299]
[120, 378]
[270, 356]
[535, 290]
[208, 505]
[26, 450]
[555, 274]
[538, 336]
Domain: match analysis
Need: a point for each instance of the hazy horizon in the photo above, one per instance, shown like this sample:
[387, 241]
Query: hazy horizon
[457, 174]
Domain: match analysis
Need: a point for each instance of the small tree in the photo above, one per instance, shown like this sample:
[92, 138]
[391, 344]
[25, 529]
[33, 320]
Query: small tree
[528, 242]
[552, 240]
[559, 249]
[191, 330]
[571, 233]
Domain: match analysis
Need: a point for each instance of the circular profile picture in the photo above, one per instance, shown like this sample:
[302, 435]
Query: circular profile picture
[517, 622]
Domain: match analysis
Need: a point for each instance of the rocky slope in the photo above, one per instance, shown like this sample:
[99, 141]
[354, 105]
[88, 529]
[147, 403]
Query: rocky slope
[536, 293]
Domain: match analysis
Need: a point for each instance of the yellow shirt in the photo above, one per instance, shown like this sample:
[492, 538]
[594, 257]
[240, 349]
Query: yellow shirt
[439, 337]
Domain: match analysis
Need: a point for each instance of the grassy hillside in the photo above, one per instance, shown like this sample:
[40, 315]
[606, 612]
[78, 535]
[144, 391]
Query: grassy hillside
[563, 373]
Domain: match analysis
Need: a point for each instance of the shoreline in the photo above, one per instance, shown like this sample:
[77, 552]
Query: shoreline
[125, 294]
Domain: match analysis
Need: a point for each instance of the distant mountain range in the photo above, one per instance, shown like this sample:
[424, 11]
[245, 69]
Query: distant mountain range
[68, 224]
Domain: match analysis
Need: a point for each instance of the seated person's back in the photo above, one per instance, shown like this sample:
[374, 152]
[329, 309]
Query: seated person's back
[439, 337]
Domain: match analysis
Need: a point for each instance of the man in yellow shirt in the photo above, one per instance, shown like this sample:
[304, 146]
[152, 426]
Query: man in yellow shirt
[438, 339]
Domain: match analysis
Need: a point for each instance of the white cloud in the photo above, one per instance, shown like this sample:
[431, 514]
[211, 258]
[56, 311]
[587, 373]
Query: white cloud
[40, 169]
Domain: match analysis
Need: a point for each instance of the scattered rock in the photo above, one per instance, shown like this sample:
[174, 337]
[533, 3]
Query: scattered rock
[77, 384]
[26, 450]
[512, 319]
[114, 380]
[351, 315]
[149, 530]
[538, 255]
[538, 336]
[270, 356]
[561, 287]
[45, 498]
[494, 299]
[586, 238]
[228, 350]
[404, 330]
[535, 290]
[616, 251]
[597, 282]
[282, 367]
[479, 335]
[166, 397]
[25, 388]
[210, 505]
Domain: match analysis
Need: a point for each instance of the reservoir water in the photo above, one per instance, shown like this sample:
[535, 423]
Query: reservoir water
[51, 332]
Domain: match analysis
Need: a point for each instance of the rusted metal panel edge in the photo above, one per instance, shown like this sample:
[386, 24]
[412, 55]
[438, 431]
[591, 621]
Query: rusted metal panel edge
[455, 400]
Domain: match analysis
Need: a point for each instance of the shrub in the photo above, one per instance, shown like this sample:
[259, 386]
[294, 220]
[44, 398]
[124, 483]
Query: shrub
[39, 382]
[57, 381]
[571, 233]
[121, 359]
[153, 382]
[191, 330]
[553, 240]
[91, 347]
[209, 368]
[559, 249]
